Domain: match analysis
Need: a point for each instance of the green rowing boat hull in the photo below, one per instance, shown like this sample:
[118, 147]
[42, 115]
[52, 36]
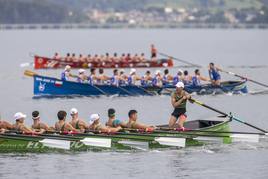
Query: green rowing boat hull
[122, 141]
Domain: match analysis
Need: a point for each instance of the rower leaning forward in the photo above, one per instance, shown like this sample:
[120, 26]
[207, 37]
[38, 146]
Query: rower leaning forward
[178, 100]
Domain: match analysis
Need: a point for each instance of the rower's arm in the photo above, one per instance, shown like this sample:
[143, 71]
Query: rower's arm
[141, 126]
[203, 78]
[44, 126]
[71, 128]
[26, 129]
[123, 124]
[8, 125]
[110, 129]
[83, 126]
[176, 104]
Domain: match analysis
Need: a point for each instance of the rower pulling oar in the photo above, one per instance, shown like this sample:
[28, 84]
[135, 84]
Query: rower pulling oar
[242, 77]
[229, 115]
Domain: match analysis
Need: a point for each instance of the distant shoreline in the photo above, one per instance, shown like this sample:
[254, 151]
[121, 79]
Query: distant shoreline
[131, 26]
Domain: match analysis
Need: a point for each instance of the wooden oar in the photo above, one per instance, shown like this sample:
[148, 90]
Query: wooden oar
[243, 77]
[180, 60]
[229, 115]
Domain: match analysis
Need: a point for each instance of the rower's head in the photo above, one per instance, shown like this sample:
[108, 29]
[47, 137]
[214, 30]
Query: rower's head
[152, 45]
[185, 73]
[148, 72]
[73, 55]
[111, 112]
[211, 65]
[132, 71]
[94, 119]
[133, 115]
[180, 73]
[62, 115]
[197, 72]
[81, 71]
[179, 86]
[35, 115]
[122, 71]
[68, 55]
[157, 73]
[166, 71]
[74, 113]
[101, 71]
[115, 72]
[68, 68]
[115, 54]
[93, 71]
[142, 54]
[19, 117]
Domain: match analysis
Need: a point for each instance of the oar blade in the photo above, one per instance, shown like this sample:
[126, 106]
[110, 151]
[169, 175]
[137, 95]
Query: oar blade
[177, 142]
[54, 143]
[135, 144]
[29, 73]
[97, 142]
[253, 138]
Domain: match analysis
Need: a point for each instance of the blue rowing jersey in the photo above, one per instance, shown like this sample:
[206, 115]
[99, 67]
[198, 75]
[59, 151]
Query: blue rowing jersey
[129, 80]
[64, 77]
[90, 80]
[196, 81]
[165, 80]
[176, 79]
[114, 81]
[214, 74]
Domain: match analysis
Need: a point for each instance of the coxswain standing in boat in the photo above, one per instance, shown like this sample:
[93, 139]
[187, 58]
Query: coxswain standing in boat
[167, 78]
[4, 126]
[178, 101]
[134, 124]
[214, 74]
[146, 80]
[82, 77]
[77, 123]
[62, 125]
[197, 78]
[133, 77]
[112, 121]
[37, 124]
[95, 125]
[153, 52]
[19, 126]
[66, 75]
[157, 80]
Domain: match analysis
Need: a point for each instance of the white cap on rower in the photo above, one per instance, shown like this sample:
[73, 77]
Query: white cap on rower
[157, 72]
[68, 67]
[132, 70]
[73, 111]
[81, 71]
[19, 115]
[180, 85]
[180, 71]
[93, 118]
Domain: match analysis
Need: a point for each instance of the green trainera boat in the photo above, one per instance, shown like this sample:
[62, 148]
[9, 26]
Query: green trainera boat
[11, 142]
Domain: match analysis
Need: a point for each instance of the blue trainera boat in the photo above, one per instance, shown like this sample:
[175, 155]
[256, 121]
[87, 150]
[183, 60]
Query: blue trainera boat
[48, 86]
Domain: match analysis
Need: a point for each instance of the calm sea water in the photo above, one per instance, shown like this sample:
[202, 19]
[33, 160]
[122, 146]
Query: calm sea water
[238, 48]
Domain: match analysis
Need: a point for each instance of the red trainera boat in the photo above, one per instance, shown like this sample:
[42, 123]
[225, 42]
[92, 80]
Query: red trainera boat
[45, 62]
